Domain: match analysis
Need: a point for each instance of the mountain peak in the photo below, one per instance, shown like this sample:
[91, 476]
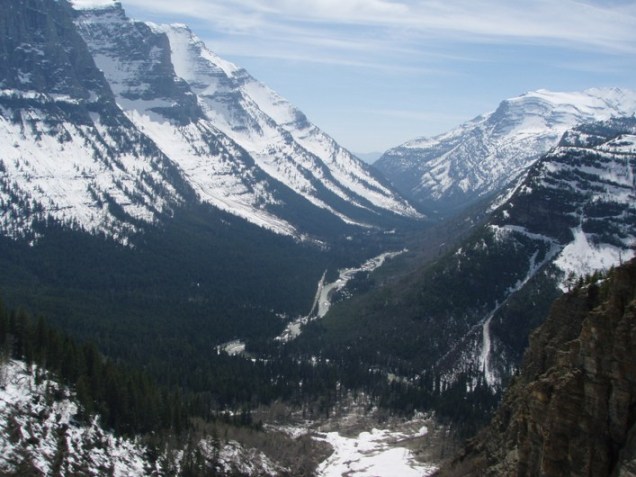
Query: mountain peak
[453, 170]
[95, 4]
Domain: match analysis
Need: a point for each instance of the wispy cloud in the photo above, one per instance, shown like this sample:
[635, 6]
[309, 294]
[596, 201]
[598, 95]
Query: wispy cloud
[419, 66]
[599, 25]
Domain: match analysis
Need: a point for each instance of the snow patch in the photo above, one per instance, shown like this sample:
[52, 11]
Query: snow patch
[372, 454]
[582, 257]
[30, 426]
[94, 4]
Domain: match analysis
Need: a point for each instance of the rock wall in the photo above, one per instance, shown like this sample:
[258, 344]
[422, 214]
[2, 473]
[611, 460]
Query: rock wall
[572, 409]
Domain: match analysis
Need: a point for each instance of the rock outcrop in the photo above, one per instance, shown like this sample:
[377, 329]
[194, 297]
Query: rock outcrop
[572, 409]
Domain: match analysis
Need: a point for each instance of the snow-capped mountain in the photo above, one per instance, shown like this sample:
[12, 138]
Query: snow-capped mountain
[240, 146]
[67, 153]
[451, 171]
[108, 124]
[572, 216]
[280, 138]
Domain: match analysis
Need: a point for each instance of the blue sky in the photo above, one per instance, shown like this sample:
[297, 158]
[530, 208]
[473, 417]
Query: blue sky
[375, 73]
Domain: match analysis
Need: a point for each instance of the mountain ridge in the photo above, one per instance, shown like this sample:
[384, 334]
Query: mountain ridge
[448, 172]
[134, 141]
[269, 144]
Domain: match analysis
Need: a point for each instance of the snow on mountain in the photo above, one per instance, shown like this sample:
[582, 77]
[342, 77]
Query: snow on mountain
[593, 172]
[67, 153]
[232, 138]
[573, 215]
[42, 432]
[85, 187]
[275, 133]
[136, 62]
[453, 170]
[99, 133]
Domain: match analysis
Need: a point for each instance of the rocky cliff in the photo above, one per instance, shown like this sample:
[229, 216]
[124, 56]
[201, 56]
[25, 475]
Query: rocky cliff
[572, 409]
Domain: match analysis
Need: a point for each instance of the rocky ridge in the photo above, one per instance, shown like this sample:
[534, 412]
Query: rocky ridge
[571, 411]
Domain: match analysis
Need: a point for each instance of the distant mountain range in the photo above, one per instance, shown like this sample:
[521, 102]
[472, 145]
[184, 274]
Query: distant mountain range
[447, 173]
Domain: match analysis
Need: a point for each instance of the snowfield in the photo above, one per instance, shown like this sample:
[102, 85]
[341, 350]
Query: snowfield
[30, 425]
[374, 453]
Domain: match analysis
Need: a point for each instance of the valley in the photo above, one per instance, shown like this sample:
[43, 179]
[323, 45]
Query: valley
[196, 279]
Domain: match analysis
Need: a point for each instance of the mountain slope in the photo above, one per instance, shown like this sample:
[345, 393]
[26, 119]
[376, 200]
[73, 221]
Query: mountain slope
[571, 410]
[465, 319]
[45, 431]
[276, 134]
[449, 172]
[241, 147]
[114, 151]
[67, 152]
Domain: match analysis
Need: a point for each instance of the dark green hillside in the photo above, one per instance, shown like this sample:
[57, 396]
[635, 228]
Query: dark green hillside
[202, 279]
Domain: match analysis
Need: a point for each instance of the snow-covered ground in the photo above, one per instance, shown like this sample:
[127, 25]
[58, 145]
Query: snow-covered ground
[33, 427]
[374, 453]
[232, 348]
[581, 257]
[363, 447]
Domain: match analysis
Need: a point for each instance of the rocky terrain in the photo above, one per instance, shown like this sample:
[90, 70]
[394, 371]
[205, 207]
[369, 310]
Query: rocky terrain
[572, 409]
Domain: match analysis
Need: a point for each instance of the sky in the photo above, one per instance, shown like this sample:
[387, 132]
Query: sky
[376, 73]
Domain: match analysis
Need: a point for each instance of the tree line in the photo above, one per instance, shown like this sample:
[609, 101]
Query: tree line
[128, 400]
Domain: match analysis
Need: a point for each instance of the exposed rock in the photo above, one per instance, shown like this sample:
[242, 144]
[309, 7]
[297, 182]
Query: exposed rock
[572, 410]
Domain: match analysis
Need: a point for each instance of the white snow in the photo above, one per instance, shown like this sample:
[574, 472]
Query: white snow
[31, 426]
[233, 348]
[93, 4]
[44, 429]
[375, 453]
[68, 172]
[581, 257]
[217, 177]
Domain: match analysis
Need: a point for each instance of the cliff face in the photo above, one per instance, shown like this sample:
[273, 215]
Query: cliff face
[572, 410]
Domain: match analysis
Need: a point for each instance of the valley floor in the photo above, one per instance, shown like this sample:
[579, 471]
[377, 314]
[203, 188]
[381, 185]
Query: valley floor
[371, 445]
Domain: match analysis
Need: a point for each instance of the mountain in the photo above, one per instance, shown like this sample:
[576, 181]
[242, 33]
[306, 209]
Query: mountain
[108, 124]
[462, 322]
[571, 410]
[573, 215]
[130, 217]
[68, 152]
[447, 173]
[239, 145]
